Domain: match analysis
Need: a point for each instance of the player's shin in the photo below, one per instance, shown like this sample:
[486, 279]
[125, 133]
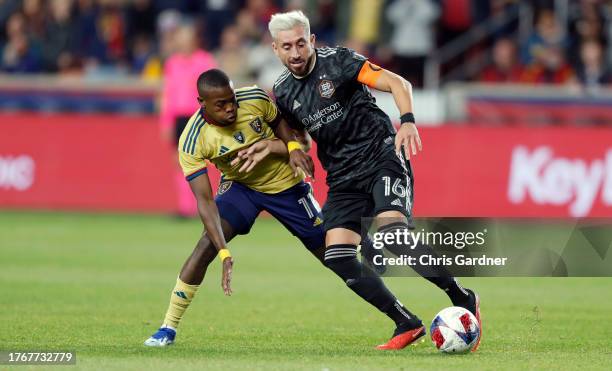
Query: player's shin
[370, 254]
[181, 297]
[342, 260]
[436, 274]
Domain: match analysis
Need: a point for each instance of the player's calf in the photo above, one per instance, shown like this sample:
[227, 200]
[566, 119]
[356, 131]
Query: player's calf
[369, 255]
[184, 290]
[436, 274]
[342, 260]
[195, 266]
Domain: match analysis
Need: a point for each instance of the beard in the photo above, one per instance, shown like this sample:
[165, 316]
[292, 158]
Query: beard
[302, 69]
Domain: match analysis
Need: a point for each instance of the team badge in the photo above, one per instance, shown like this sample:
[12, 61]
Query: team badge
[256, 125]
[326, 88]
[224, 187]
[239, 137]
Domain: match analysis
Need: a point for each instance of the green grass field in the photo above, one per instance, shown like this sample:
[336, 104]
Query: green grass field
[100, 284]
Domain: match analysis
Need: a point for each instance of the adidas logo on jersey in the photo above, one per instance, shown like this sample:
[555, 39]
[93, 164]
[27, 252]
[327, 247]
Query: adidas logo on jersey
[397, 202]
[223, 150]
[318, 221]
[296, 104]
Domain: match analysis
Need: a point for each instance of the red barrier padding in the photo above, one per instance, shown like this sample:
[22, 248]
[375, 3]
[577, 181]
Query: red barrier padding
[119, 163]
[84, 162]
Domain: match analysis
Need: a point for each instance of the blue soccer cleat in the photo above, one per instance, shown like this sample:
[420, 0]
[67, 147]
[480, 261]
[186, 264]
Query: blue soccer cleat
[163, 337]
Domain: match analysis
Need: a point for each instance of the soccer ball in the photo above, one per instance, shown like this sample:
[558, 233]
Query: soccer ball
[454, 330]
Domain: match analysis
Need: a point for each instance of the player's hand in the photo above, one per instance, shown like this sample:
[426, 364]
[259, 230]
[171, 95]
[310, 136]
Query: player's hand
[408, 137]
[298, 159]
[252, 155]
[226, 278]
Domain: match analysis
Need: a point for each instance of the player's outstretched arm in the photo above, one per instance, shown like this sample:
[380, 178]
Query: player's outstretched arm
[207, 208]
[298, 158]
[254, 154]
[258, 151]
[387, 81]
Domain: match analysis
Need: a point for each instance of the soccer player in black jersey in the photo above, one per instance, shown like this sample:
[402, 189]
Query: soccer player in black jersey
[325, 91]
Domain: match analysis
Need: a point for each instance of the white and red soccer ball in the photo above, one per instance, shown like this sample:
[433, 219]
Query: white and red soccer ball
[454, 330]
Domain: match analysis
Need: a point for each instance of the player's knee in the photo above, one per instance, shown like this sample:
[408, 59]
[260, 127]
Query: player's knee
[390, 216]
[397, 225]
[341, 236]
[395, 229]
[399, 244]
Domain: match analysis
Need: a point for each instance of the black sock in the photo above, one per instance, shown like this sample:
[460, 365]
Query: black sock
[342, 260]
[436, 274]
[456, 293]
[369, 254]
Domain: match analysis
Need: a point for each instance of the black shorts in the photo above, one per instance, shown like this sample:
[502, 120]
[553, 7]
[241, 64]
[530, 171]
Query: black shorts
[388, 188]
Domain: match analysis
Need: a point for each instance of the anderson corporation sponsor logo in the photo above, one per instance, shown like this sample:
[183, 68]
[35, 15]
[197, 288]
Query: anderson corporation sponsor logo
[552, 180]
[16, 172]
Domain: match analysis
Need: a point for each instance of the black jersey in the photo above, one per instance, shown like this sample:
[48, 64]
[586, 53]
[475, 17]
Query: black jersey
[354, 136]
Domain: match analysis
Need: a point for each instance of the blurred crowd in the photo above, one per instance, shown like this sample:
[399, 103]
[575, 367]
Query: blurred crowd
[102, 39]
[554, 54]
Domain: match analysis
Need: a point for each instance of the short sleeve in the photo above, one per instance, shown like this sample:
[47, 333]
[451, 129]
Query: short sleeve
[269, 110]
[192, 166]
[351, 62]
[258, 101]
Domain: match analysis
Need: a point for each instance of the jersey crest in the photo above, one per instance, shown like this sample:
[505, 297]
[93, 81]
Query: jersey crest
[256, 125]
[326, 88]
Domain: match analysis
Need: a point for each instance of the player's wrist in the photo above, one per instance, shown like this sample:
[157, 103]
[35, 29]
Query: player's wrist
[293, 145]
[268, 146]
[224, 253]
[407, 118]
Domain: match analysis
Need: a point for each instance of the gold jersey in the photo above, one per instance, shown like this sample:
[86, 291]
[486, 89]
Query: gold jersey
[201, 142]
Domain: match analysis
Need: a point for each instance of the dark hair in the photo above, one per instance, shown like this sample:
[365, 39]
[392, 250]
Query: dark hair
[213, 78]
